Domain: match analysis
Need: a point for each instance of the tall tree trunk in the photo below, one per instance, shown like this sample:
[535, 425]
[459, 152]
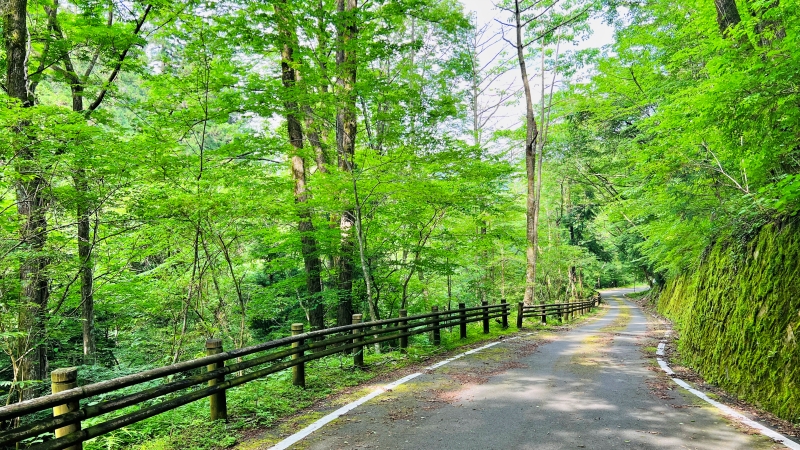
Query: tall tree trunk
[346, 31]
[727, 14]
[288, 34]
[31, 206]
[531, 133]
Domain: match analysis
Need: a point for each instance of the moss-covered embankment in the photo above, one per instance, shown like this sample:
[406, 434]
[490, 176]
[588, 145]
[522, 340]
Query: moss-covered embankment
[738, 316]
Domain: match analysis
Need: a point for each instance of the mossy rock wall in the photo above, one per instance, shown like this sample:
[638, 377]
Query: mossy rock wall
[737, 316]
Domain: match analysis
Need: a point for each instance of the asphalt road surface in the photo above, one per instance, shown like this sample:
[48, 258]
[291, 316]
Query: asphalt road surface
[592, 387]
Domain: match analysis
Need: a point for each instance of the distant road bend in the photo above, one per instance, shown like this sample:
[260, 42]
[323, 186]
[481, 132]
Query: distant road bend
[591, 387]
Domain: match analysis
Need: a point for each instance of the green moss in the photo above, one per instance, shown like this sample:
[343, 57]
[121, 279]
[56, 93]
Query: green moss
[737, 315]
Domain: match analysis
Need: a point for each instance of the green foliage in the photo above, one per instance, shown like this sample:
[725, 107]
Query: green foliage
[691, 132]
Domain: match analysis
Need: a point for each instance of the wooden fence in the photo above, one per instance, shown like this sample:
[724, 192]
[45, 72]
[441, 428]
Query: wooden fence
[244, 365]
[562, 311]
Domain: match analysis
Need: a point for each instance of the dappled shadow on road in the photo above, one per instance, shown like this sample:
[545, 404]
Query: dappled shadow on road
[588, 388]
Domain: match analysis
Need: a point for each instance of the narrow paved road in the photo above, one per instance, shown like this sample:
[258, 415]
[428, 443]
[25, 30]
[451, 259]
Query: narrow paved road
[591, 387]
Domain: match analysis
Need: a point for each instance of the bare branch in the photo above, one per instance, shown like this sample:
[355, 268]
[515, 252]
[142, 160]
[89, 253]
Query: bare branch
[556, 27]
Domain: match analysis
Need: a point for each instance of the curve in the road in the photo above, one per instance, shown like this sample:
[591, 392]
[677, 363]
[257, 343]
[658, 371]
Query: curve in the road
[591, 387]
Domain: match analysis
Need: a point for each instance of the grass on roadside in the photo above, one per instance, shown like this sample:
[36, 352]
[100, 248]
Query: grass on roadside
[635, 295]
[264, 402]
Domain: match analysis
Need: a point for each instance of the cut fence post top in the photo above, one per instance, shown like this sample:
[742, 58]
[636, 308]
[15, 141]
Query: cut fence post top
[299, 370]
[218, 402]
[62, 380]
[65, 375]
[403, 339]
[462, 328]
[357, 318]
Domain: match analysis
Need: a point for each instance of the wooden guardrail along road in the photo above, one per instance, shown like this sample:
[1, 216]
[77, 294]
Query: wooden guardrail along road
[254, 362]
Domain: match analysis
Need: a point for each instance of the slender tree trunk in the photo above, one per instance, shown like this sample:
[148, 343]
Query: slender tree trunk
[83, 210]
[31, 205]
[572, 271]
[289, 78]
[531, 133]
[346, 65]
[502, 274]
[476, 127]
[85, 241]
[374, 313]
[86, 267]
[318, 136]
[485, 265]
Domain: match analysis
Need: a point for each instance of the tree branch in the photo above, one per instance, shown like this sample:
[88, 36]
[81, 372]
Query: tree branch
[96, 103]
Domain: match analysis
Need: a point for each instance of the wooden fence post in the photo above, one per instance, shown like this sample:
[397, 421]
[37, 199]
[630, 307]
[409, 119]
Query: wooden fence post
[463, 322]
[544, 314]
[504, 313]
[358, 352]
[298, 371]
[218, 402]
[520, 314]
[558, 313]
[485, 305]
[437, 339]
[403, 339]
[61, 380]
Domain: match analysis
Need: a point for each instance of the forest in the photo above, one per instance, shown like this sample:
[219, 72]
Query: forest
[176, 171]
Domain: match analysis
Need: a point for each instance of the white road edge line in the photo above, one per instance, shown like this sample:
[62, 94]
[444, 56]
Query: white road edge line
[772, 434]
[295, 438]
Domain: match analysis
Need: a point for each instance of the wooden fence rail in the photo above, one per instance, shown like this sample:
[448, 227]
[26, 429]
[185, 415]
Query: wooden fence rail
[248, 364]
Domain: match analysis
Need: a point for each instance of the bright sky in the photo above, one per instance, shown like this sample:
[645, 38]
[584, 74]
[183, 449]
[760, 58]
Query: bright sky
[511, 115]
